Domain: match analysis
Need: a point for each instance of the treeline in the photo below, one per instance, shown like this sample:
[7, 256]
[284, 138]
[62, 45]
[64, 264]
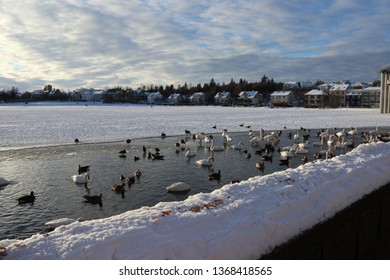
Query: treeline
[265, 86]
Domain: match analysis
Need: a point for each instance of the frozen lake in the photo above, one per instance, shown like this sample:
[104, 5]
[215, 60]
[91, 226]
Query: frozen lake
[38, 153]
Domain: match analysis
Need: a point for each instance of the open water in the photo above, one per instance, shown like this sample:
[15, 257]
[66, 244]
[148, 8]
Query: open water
[47, 171]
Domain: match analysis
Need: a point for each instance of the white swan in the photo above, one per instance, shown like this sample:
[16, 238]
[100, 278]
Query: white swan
[178, 187]
[205, 162]
[239, 146]
[340, 133]
[324, 134]
[4, 182]
[226, 137]
[353, 131]
[81, 179]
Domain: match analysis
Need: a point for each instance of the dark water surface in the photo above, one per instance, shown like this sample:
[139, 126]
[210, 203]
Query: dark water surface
[47, 171]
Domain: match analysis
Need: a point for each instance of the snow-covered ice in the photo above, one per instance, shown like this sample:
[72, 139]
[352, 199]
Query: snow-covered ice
[238, 221]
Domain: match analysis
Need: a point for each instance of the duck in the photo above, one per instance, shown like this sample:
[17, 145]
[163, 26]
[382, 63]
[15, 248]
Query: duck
[157, 156]
[215, 176]
[130, 181]
[260, 165]
[123, 152]
[304, 159]
[93, 199]
[29, 198]
[81, 179]
[137, 173]
[83, 169]
[285, 161]
[178, 187]
[118, 187]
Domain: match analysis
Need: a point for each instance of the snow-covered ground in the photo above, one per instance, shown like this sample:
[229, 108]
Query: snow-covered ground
[41, 124]
[238, 221]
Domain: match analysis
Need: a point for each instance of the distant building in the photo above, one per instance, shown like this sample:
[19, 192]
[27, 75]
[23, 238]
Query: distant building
[177, 98]
[248, 98]
[385, 90]
[282, 98]
[353, 98]
[371, 97]
[154, 97]
[222, 98]
[337, 94]
[198, 98]
[316, 98]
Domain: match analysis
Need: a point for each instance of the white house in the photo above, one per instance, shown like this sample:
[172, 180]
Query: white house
[370, 97]
[250, 98]
[337, 94]
[282, 98]
[154, 97]
[315, 98]
[198, 98]
[222, 98]
[176, 98]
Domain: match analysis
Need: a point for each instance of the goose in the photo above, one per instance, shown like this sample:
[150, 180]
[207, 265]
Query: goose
[4, 182]
[189, 154]
[215, 176]
[81, 179]
[93, 199]
[179, 187]
[29, 198]
[205, 162]
[83, 169]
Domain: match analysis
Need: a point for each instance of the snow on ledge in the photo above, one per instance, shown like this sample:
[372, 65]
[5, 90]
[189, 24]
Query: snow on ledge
[239, 221]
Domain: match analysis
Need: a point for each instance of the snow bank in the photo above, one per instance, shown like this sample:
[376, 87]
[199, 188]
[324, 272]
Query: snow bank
[239, 221]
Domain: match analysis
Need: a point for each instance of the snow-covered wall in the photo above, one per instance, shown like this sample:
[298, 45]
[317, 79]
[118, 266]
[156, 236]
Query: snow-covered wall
[361, 231]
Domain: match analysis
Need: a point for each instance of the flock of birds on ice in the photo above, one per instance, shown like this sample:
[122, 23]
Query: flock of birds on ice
[266, 144]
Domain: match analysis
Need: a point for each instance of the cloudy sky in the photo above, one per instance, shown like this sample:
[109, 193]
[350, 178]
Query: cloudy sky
[103, 43]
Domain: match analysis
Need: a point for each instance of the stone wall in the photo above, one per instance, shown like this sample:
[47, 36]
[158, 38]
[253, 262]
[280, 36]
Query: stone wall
[361, 231]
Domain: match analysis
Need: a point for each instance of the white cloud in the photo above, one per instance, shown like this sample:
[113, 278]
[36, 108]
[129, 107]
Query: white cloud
[102, 43]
